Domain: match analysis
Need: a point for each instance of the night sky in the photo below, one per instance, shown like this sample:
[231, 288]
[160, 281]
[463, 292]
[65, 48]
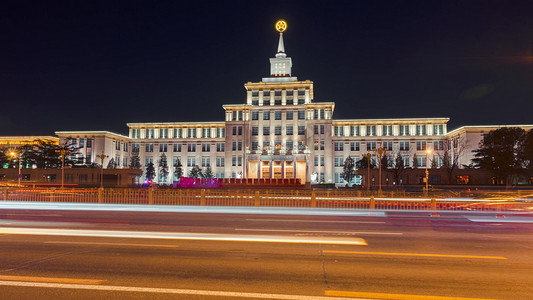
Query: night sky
[85, 65]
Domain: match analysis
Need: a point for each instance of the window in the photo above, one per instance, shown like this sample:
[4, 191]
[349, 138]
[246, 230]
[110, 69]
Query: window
[301, 130]
[206, 147]
[371, 130]
[192, 132]
[266, 102]
[234, 161]
[387, 129]
[177, 133]
[354, 146]
[149, 147]
[163, 133]
[322, 113]
[206, 161]
[89, 143]
[255, 130]
[266, 130]
[220, 161]
[290, 145]
[239, 146]
[288, 130]
[420, 145]
[239, 161]
[255, 93]
[321, 161]
[290, 101]
[206, 132]
[316, 161]
[420, 129]
[191, 147]
[163, 147]
[220, 147]
[421, 161]
[266, 115]
[339, 161]
[150, 133]
[290, 92]
[322, 145]
[135, 147]
[82, 142]
[255, 102]
[316, 129]
[322, 129]
[277, 93]
[438, 145]
[191, 161]
[277, 115]
[117, 145]
[370, 146]
[177, 147]
[339, 131]
[234, 130]
[266, 145]
[301, 101]
[301, 92]
[354, 131]
[74, 142]
[339, 146]
[289, 114]
[301, 115]
[387, 146]
[125, 147]
[315, 114]
[438, 129]
[266, 94]
[234, 146]
[255, 115]
[277, 102]
[255, 145]
[404, 129]
[277, 130]
[316, 145]
[404, 145]
[221, 132]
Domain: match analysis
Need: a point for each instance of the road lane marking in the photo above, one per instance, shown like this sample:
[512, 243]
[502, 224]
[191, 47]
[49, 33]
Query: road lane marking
[315, 221]
[321, 231]
[111, 244]
[167, 291]
[414, 254]
[50, 279]
[393, 296]
[184, 236]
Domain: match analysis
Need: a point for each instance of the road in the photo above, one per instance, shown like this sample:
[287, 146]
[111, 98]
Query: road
[215, 254]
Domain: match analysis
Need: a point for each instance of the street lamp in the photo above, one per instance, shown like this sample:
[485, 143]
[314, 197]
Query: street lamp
[13, 153]
[368, 156]
[427, 173]
[102, 157]
[380, 151]
[63, 151]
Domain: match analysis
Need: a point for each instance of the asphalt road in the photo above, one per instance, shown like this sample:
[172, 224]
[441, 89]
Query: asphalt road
[54, 254]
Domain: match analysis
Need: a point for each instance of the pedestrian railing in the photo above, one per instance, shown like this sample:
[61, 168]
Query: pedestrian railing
[333, 199]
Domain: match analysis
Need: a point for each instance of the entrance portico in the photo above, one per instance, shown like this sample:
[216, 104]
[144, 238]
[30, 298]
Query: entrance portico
[277, 166]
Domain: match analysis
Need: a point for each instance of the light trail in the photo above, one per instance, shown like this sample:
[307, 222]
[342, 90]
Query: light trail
[183, 236]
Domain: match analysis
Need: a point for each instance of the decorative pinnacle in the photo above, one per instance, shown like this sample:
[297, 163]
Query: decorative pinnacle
[281, 26]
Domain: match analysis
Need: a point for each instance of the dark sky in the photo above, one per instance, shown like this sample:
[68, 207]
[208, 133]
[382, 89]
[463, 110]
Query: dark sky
[86, 65]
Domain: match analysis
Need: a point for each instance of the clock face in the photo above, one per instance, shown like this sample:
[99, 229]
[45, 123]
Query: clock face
[281, 26]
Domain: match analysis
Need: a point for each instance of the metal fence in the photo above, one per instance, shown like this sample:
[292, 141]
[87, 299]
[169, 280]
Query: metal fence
[331, 199]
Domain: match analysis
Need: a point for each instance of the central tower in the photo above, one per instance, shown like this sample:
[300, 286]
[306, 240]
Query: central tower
[280, 66]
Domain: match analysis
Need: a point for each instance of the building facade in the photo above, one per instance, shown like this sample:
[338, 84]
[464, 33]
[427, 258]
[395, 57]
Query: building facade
[279, 131]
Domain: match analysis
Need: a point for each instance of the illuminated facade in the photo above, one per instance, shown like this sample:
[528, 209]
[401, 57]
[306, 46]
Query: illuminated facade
[279, 131]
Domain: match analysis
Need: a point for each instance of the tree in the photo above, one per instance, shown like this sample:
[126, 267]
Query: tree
[111, 164]
[526, 152]
[434, 162]
[415, 161]
[163, 168]
[208, 173]
[178, 169]
[4, 158]
[397, 168]
[196, 172]
[348, 171]
[453, 149]
[499, 152]
[365, 162]
[150, 171]
[135, 160]
[384, 161]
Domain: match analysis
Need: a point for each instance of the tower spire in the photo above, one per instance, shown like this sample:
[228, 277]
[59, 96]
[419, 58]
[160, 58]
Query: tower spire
[280, 66]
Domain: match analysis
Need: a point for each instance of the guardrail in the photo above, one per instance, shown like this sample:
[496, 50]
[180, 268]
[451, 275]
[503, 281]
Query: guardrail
[275, 198]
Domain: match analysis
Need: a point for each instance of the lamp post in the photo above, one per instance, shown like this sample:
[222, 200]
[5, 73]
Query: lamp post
[63, 151]
[13, 153]
[427, 173]
[102, 156]
[380, 151]
[368, 156]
